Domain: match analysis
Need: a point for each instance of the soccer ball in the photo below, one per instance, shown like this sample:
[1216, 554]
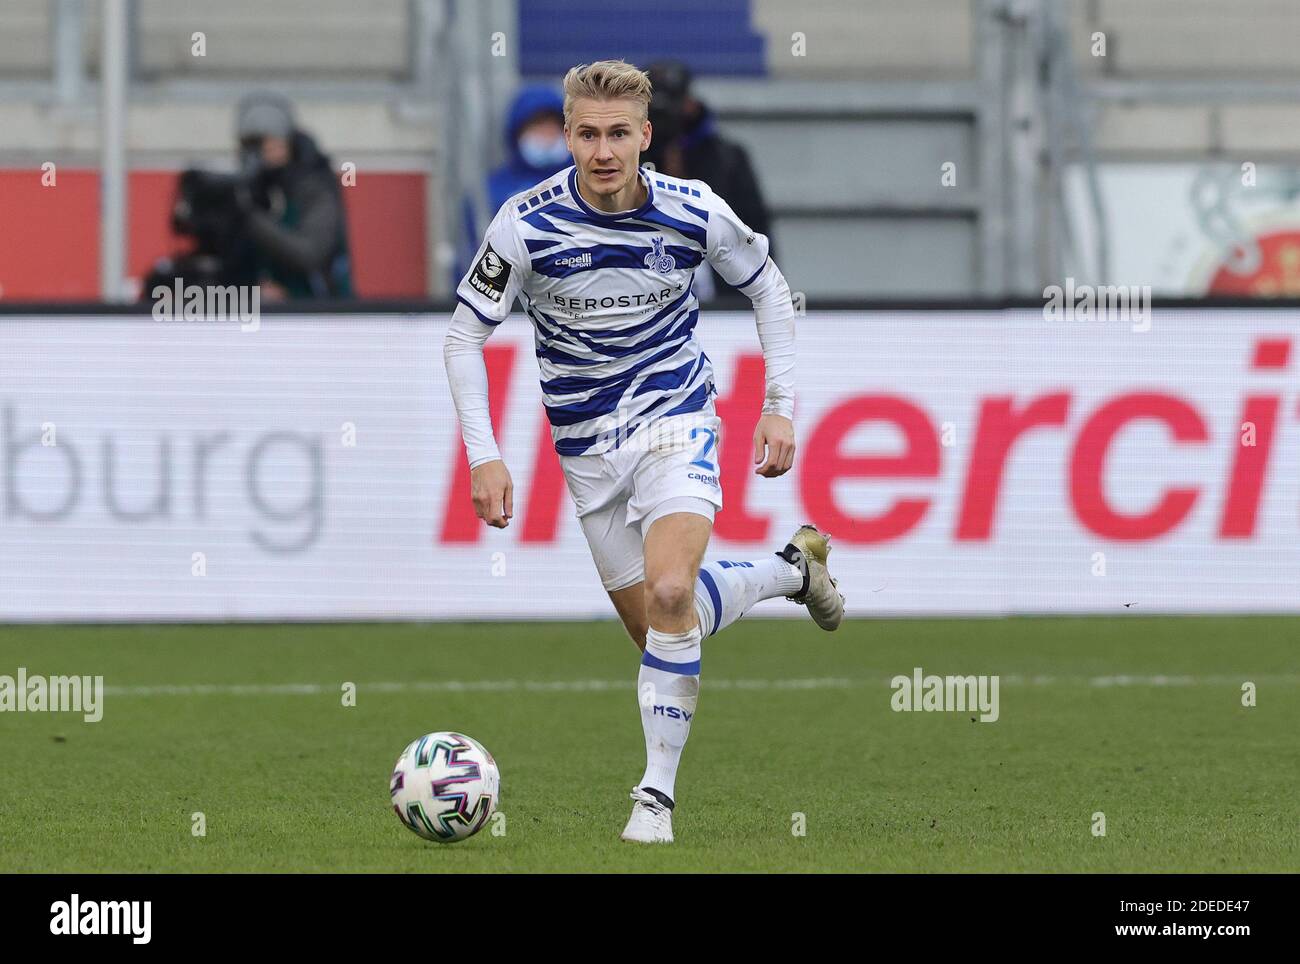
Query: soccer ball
[445, 786]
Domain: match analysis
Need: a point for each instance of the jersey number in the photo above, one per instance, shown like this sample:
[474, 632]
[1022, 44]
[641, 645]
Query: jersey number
[702, 460]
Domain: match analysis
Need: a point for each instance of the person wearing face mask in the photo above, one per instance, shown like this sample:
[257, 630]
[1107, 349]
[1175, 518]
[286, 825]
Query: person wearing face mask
[534, 142]
[535, 149]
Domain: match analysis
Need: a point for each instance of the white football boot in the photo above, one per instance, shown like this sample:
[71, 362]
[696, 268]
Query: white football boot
[652, 818]
[808, 550]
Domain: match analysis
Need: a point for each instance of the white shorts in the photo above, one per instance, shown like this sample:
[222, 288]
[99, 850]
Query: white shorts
[671, 465]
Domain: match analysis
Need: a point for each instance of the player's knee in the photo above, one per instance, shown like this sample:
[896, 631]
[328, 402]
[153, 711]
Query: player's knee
[670, 596]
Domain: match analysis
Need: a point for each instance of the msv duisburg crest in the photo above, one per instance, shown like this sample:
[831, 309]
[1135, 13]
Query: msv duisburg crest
[656, 260]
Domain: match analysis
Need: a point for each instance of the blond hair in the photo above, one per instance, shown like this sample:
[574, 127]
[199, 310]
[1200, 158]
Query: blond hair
[607, 80]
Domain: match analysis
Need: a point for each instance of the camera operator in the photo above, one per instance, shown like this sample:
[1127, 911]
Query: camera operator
[686, 143]
[291, 204]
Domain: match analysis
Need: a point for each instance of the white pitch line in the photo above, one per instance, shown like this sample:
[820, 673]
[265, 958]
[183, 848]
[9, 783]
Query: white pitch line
[1122, 680]
[709, 685]
[458, 686]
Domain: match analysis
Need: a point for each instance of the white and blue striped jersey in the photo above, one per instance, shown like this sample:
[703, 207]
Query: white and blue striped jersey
[610, 298]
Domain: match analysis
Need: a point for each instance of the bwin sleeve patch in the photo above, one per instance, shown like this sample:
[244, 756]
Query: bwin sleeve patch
[490, 275]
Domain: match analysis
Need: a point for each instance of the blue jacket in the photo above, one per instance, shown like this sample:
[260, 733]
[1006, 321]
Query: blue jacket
[515, 174]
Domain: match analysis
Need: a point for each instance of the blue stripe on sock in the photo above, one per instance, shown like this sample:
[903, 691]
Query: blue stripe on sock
[681, 669]
[707, 578]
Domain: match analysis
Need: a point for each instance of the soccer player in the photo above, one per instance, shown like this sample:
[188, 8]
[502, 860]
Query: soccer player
[602, 256]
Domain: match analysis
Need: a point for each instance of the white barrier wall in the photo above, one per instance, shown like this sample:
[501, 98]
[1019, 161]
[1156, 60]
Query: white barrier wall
[964, 463]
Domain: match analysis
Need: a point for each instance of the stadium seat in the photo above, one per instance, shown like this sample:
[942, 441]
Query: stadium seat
[560, 33]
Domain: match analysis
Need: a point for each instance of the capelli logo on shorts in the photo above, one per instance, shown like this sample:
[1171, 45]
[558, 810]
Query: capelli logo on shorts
[706, 479]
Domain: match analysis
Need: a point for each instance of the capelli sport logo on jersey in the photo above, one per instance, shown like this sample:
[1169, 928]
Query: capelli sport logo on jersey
[702, 477]
[490, 275]
[656, 260]
[575, 261]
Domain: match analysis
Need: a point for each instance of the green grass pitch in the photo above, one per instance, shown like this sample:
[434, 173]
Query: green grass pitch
[289, 779]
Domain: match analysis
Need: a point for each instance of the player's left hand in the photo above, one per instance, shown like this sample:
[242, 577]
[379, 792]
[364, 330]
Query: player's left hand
[776, 433]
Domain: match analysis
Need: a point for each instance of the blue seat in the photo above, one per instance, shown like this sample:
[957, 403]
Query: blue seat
[719, 40]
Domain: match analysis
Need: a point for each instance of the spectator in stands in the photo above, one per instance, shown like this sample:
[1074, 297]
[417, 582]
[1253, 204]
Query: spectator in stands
[535, 149]
[535, 142]
[294, 227]
[685, 143]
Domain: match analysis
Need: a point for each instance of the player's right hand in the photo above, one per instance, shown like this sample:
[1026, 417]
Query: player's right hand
[493, 493]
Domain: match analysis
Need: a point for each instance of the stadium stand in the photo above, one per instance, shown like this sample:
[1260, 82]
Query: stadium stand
[847, 108]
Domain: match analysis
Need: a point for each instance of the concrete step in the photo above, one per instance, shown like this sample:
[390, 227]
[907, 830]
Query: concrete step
[867, 38]
[1190, 38]
[25, 39]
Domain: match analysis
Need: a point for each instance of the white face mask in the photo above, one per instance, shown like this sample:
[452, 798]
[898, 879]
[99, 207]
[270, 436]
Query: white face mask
[539, 150]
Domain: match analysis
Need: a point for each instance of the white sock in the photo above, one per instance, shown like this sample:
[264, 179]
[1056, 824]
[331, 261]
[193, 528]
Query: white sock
[668, 686]
[725, 590]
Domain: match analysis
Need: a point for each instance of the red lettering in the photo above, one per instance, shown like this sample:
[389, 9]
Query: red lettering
[547, 491]
[1271, 353]
[459, 523]
[1246, 483]
[1000, 425]
[823, 466]
[1088, 462]
[739, 412]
